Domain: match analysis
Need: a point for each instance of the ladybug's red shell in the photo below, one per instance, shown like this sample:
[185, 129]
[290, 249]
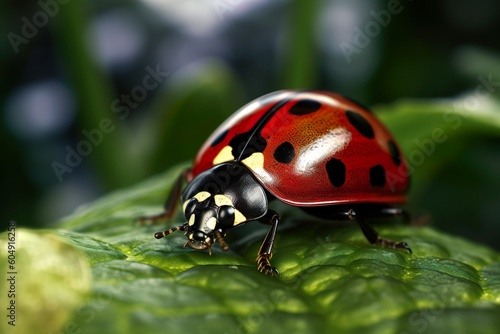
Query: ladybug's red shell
[311, 149]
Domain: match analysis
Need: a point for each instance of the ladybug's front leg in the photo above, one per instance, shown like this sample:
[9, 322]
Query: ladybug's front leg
[373, 236]
[170, 205]
[266, 249]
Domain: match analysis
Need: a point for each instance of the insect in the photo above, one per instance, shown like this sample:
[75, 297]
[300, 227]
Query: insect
[315, 150]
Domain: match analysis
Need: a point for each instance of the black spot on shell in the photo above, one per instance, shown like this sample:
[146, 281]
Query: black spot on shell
[360, 123]
[336, 172]
[245, 144]
[377, 176]
[304, 107]
[393, 149]
[284, 153]
[219, 138]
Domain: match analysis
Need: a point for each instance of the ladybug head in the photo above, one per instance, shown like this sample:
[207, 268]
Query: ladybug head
[218, 199]
[202, 217]
[208, 216]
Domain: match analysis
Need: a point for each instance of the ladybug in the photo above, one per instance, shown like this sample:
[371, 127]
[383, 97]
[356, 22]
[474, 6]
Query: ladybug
[310, 149]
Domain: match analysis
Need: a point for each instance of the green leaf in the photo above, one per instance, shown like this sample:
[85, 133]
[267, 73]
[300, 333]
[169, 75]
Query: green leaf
[95, 96]
[48, 280]
[332, 279]
[452, 150]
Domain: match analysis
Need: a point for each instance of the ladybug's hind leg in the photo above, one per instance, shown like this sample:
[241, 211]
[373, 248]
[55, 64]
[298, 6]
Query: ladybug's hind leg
[372, 235]
[266, 249]
[170, 206]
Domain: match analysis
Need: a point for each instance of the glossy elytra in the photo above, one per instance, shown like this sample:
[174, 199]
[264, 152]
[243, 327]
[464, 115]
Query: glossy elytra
[315, 150]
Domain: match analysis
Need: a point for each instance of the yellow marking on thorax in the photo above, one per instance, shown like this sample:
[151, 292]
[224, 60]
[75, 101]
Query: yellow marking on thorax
[191, 220]
[224, 155]
[201, 196]
[239, 218]
[221, 200]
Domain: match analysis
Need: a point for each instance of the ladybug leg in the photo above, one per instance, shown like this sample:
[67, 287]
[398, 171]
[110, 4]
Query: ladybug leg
[266, 249]
[170, 204]
[220, 238]
[373, 236]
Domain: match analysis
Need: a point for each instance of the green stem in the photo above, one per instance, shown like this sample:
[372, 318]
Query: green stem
[94, 95]
[300, 69]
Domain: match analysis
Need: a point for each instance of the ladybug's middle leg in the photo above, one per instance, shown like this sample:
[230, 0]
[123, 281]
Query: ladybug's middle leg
[266, 249]
[372, 235]
[170, 205]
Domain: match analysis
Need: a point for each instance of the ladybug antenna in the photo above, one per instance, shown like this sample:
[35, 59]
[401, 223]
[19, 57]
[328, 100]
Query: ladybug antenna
[220, 238]
[159, 235]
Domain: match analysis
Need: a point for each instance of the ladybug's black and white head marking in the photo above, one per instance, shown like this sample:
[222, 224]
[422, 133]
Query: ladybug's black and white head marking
[207, 215]
[218, 199]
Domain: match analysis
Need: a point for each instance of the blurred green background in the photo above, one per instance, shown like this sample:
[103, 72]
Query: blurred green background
[136, 87]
